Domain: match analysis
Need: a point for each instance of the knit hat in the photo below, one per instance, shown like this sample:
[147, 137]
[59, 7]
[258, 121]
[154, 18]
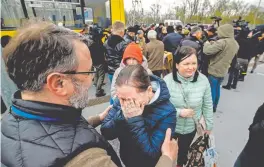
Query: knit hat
[133, 51]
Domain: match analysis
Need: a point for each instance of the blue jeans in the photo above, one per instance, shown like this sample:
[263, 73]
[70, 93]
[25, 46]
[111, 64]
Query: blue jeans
[215, 83]
[110, 76]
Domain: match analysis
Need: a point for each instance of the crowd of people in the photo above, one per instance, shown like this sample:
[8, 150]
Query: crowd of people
[153, 115]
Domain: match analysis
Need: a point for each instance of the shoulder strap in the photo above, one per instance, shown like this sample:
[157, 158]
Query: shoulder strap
[198, 126]
[184, 96]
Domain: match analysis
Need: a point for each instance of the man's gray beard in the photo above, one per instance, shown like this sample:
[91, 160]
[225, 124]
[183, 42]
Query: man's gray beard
[80, 97]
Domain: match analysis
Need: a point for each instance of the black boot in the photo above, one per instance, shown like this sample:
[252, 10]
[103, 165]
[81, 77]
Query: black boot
[233, 86]
[100, 93]
[228, 87]
[241, 78]
[214, 109]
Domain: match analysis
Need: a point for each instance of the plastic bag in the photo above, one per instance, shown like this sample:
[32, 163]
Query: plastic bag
[210, 155]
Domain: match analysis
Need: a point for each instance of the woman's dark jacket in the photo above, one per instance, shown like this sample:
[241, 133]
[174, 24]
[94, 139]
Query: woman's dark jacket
[141, 137]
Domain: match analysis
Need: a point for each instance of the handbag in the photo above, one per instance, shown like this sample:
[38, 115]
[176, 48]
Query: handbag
[196, 152]
[199, 146]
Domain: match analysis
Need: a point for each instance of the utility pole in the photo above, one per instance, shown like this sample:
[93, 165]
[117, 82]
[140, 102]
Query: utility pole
[256, 14]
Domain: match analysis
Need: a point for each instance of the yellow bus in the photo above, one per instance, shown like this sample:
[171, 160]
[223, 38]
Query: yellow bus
[72, 14]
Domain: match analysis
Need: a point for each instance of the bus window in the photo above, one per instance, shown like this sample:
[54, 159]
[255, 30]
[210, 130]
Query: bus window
[88, 15]
[11, 13]
[66, 12]
[101, 12]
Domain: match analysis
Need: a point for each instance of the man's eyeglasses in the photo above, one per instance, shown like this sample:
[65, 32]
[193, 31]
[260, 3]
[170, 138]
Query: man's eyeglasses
[92, 71]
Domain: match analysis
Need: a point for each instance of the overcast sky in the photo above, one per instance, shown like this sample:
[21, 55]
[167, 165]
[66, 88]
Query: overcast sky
[167, 3]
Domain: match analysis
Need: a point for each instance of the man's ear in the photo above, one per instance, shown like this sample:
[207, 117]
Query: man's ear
[57, 84]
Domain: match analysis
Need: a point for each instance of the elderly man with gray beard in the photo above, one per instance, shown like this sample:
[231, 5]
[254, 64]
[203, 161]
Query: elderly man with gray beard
[52, 67]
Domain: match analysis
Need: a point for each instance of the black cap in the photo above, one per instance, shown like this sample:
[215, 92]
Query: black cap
[131, 29]
[170, 29]
[179, 27]
[211, 29]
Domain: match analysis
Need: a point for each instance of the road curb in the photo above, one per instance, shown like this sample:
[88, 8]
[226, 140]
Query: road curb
[98, 100]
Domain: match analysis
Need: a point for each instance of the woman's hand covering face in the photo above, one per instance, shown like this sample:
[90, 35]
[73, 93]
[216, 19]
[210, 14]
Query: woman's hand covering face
[131, 107]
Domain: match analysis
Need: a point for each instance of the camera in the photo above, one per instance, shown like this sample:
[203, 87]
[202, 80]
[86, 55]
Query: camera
[216, 20]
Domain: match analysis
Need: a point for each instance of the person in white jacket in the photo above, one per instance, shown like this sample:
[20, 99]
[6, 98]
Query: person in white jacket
[132, 56]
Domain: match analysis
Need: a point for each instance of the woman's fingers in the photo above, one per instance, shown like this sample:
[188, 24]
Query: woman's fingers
[131, 102]
[137, 104]
[122, 102]
[126, 103]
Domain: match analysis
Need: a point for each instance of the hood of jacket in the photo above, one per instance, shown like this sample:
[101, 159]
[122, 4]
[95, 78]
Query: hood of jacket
[128, 38]
[113, 40]
[159, 84]
[226, 31]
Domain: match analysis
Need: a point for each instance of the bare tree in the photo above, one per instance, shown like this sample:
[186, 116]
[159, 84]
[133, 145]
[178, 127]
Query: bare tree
[201, 11]
[193, 6]
[181, 11]
[155, 11]
[222, 5]
[204, 9]
[240, 7]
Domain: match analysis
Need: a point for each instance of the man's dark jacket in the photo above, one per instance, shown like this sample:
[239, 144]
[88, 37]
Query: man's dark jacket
[192, 42]
[97, 51]
[172, 41]
[128, 38]
[198, 46]
[115, 47]
[43, 134]
[252, 154]
[244, 51]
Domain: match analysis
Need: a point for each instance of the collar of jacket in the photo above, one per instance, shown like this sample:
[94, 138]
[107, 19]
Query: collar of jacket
[42, 111]
[152, 40]
[183, 79]
[164, 91]
[113, 40]
[192, 38]
[128, 37]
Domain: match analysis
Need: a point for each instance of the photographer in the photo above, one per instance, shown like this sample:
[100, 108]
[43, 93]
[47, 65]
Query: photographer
[239, 63]
[220, 53]
[98, 56]
[256, 40]
[211, 34]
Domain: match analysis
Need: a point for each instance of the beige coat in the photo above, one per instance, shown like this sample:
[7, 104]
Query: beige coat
[97, 157]
[154, 52]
